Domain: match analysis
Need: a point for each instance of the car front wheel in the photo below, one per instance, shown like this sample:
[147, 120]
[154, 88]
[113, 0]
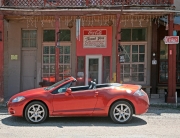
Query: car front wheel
[121, 112]
[36, 112]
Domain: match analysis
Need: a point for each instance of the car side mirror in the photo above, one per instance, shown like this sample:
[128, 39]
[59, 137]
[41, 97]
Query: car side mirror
[68, 91]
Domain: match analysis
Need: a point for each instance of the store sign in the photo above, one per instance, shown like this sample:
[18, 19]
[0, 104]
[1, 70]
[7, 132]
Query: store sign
[95, 38]
[121, 58]
[171, 39]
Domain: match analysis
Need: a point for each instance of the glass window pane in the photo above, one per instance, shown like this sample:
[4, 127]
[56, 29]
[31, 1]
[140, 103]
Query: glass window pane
[141, 68]
[33, 43]
[163, 50]
[25, 43]
[126, 78]
[61, 49]
[66, 59]
[127, 68]
[52, 68]
[45, 59]
[67, 69]
[106, 69]
[48, 35]
[134, 48]
[65, 35]
[52, 50]
[80, 63]
[134, 68]
[134, 77]
[32, 34]
[46, 69]
[61, 59]
[126, 51]
[61, 69]
[52, 59]
[66, 49]
[141, 77]
[122, 68]
[134, 57]
[126, 35]
[46, 50]
[141, 49]
[141, 57]
[25, 34]
[139, 34]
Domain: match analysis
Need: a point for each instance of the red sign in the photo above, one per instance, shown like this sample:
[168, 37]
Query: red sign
[171, 39]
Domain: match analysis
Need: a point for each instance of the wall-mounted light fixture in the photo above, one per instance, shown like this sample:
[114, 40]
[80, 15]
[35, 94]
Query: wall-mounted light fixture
[154, 54]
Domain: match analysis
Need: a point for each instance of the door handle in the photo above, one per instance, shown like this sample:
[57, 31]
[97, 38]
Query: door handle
[96, 94]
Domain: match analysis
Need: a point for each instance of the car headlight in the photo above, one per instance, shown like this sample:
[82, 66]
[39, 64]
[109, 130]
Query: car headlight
[18, 99]
[139, 93]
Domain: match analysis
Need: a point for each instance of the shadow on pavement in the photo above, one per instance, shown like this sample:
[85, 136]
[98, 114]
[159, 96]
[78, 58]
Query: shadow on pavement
[69, 121]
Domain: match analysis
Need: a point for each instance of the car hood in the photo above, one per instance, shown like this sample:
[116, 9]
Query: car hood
[30, 92]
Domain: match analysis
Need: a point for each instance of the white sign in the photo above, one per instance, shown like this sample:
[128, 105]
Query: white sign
[171, 39]
[154, 62]
[95, 38]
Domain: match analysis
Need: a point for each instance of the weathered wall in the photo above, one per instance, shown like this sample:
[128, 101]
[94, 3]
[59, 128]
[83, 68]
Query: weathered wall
[177, 4]
[12, 68]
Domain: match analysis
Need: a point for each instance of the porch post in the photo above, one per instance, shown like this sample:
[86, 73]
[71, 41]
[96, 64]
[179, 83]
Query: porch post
[171, 63]
[1, 58]
[118, 38]
[56, 48]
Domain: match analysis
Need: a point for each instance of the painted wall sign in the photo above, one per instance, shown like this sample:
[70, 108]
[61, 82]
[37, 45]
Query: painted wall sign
[95, 38]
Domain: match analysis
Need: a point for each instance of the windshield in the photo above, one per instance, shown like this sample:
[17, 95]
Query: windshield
[56, 84]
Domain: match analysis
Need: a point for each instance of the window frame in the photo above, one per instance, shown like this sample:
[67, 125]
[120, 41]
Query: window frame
[132, 63]
[29, 39]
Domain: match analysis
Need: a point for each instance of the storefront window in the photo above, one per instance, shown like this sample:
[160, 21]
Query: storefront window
[29, 38]
[106, 69]
[134, 34]
[49, 35]
[163, 66]
[133, 70]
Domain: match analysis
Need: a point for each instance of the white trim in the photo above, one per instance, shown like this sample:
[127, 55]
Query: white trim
[99, 67]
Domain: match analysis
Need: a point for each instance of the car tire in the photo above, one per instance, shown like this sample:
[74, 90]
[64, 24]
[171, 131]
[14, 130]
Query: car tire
[36, 112]
[121, 112]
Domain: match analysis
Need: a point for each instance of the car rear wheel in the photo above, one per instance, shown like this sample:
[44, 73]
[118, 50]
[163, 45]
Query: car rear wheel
[36, 112]
[121, 112]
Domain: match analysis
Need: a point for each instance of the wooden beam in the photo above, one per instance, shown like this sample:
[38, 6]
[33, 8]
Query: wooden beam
[171, 63]
[1, 59]
[56, 48]
[154, 68]
[118, 38]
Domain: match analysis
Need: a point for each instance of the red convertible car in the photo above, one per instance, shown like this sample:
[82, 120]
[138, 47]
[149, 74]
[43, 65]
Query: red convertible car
[119, 101]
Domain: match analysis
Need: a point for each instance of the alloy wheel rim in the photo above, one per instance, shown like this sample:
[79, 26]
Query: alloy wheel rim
[36, 113]
[122, 112]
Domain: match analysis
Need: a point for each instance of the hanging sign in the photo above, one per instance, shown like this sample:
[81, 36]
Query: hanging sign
[95, 38]
[121, 58]
[171, 39]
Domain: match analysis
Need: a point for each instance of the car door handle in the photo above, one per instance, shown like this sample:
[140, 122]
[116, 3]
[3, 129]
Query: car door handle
[96, 94]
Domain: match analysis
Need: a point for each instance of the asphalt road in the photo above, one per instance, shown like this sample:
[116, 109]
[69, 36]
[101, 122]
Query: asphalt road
[158, 122]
